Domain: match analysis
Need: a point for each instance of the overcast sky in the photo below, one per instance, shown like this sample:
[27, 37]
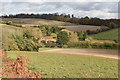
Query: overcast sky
[95, 8]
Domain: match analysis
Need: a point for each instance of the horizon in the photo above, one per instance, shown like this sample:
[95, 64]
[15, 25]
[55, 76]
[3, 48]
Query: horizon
[102, 10]
[58, 14]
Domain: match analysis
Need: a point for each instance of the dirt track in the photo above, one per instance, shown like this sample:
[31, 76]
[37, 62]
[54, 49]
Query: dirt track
[94, 52]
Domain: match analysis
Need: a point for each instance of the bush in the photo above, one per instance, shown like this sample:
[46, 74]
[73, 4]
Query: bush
[10, 45]
[50, 44]
[26, 44]
[65, 46]
[44, 42]
[110, 45]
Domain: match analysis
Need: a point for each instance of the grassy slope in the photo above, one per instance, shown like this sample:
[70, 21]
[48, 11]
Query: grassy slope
[8, 30]
[54, 65]
[111, 34]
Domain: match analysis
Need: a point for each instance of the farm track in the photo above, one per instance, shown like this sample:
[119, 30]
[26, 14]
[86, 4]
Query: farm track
[92, 52]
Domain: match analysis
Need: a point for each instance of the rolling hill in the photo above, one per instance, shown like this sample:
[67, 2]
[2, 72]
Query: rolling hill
[111, 34]
[67, 25]
[33, 21]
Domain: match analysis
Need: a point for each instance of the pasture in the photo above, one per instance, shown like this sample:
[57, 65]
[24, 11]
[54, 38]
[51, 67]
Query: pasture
[53, 65]
[111, 34]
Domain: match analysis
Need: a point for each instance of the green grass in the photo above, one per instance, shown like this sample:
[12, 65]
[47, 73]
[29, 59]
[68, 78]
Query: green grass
[53, 65]
[111, 34]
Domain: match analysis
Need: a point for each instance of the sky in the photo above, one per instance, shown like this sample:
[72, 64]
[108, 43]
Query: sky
[95, 8]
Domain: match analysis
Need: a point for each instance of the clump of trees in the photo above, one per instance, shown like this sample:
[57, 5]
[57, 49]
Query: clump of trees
[62, 38]
[28, 41]
[47, 30]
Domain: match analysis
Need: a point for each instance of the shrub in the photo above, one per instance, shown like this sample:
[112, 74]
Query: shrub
[73, 37]
[50, 44]
[53, 35]
[10, 44]
[110, 45]
[65, 46]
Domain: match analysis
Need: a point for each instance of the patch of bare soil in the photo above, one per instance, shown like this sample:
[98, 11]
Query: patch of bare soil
[15, 70]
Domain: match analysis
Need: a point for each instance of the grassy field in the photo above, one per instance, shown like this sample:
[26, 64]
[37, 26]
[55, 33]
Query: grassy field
[111, 34]
[32, 21]
[53, 65]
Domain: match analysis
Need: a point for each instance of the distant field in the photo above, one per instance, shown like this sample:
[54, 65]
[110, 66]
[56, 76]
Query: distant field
[79, 28]
[111, 34]
[32, 21]
[69, 26]
[53, 65]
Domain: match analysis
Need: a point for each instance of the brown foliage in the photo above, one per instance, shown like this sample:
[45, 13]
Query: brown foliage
[18, 69]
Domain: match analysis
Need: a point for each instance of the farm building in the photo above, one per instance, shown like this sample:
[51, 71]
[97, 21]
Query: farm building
[47, 38]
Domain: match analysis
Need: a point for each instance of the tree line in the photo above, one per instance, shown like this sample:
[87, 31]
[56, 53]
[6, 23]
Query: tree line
[68, 18]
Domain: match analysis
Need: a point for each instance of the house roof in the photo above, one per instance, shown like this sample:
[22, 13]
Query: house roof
[47, 38]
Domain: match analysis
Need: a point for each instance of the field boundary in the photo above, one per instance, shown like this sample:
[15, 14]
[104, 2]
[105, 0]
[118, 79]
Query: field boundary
[92, 52]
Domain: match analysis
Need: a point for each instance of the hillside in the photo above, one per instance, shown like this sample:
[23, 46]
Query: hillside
[8, 30]
[67, 25]
[33, 21]
[111, 34]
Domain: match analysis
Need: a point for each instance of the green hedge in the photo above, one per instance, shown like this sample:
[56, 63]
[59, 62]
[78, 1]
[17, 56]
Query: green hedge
[93, 45]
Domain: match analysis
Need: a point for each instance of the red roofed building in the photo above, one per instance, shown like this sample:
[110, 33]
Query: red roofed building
[47, 38]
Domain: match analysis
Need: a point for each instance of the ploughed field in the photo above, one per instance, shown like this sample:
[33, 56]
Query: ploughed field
[53, 65]
[79, 28]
